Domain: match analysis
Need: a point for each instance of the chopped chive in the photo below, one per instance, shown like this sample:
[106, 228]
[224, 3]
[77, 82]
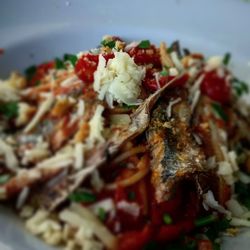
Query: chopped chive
[59, 64]
[205, 220]
[4, 178]
[102, 214]
[167, 219]
[9, 110]
[131, 195]
[110, 44]
[226, 58]
[144, 44]
[240, 87]
[30, 72]
[82, 197]
[164, 72]
[219, 111]
[71, 58]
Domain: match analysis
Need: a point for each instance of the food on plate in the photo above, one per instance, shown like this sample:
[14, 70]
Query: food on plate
[127, 146]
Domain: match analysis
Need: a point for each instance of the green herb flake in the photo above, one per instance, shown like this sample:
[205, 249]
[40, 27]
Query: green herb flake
[131, 195]
[219, 111]
[82, 196]
[102, 214]
[226, 59]
[144, 44]
[30, 72]
[108, 43]
[240, 87]
[205, 220]
[164, 72]
[59, 64]
[9, 110]
[4, 178]
[167, 219]
[70, 58]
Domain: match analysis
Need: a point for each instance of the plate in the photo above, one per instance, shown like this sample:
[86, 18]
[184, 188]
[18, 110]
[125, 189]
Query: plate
[41, 30]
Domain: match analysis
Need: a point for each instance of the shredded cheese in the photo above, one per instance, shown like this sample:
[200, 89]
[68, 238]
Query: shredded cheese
[42, 110]
[171, 104]
[119, 80]
[7, 151]
[79, 155]
[96, 127]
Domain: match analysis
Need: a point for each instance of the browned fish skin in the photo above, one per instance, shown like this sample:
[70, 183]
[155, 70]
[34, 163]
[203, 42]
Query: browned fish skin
[175, 154]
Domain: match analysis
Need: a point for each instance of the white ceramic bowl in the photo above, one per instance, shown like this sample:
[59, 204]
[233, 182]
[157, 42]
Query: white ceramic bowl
[33, 31]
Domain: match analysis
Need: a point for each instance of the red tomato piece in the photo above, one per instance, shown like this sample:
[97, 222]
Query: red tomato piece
[173, 232]
[41, 70]
[146, 56]
[205, 245]
[216, 87]
[87, 65]
[135, 240]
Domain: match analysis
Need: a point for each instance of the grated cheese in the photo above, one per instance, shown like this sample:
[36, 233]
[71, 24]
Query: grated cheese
[176, 61]
[119, 80]
[79, 155]
[213, 62]
[235, 207]
[96, 125]
[7, 151]
[80, 108]
[173, 71]
[107, 205]
[44, 107]
[24, 110]
[22, 197]
[129, 207]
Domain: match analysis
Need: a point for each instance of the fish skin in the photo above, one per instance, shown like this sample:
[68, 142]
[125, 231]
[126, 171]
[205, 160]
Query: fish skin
[175, 154]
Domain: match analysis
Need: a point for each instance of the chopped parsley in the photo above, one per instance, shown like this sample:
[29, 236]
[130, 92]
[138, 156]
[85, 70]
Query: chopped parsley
[9, 109]
[144, 44]
[205, 220]
[70, 58]
[82, 196]
[226, 58]
[59, 63]
[4, 178]
[102, 214]
[30, 72]
[240, 87]
[164, 72]
[219, 111]
[167, 219]
[108, 43]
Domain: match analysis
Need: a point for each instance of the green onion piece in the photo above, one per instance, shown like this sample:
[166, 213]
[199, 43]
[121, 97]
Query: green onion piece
[219, 111]
[71, 58]
[4, 178]
[164, 72]
[131, 195]
[110, 44]
[10, 109]
[102, 214]
[226, 59]
[59, 64]
[144, 44]
[167, 219]
[240, 87]
[205, 220]
[82, 196]
[30, 72]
